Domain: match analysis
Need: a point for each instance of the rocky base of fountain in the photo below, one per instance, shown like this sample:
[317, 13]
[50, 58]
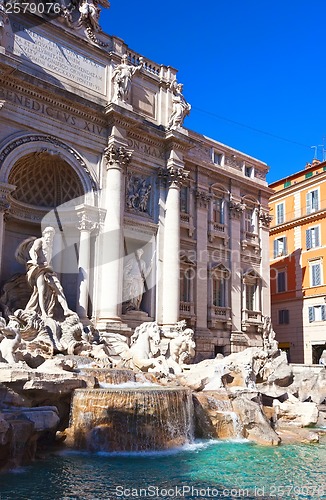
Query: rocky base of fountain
[243, 395]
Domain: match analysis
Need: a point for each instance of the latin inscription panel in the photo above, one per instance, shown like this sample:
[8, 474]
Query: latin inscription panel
[58, 59]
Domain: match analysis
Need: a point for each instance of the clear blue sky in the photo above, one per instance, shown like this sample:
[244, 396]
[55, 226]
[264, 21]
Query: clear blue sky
[253, 71]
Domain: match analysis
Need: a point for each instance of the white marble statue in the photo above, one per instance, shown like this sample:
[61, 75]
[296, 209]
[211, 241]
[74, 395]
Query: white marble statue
[181, 347]
[270, 345]
[121, 78]
[89, 14]
[180, 106]
[47, 289]
[134, 278]
[10, 339]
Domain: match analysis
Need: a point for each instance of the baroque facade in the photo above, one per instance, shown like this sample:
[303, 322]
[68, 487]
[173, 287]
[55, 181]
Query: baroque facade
[297, 246]
[153, 221]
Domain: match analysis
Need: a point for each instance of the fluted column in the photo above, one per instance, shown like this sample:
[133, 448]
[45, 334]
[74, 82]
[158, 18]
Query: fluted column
[86, 226]
[117, 158]
[171, 257]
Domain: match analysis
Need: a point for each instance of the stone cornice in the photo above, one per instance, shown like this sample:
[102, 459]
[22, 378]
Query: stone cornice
[298, 221]
[312, 181]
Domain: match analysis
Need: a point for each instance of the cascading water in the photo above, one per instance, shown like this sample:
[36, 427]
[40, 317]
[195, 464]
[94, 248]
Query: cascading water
[129, 419]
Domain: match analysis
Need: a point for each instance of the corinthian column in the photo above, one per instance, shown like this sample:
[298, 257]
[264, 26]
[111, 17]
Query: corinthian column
[111, 244]
[86, 226]
[171, 255]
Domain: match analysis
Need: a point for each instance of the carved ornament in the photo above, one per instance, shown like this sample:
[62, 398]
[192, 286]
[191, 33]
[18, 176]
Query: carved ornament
[117, 156]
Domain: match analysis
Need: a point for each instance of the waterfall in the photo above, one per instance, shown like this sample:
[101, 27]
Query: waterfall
[130, 419]
[110, 375]
[236, 425]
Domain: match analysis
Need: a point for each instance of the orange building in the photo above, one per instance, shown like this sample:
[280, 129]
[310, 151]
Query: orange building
[298, 262]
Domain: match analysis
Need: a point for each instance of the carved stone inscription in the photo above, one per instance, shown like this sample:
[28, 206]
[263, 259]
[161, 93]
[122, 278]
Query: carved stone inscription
[145, 148]
[51, 111]
[58, 59]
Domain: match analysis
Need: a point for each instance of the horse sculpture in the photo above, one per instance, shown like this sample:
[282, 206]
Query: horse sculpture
[143, 353]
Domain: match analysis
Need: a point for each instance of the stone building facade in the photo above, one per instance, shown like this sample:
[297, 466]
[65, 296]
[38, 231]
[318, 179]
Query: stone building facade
[114, 171]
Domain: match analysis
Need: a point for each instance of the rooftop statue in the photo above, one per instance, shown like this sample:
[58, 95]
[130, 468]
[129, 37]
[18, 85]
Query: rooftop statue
[121, 78]
[180, 106]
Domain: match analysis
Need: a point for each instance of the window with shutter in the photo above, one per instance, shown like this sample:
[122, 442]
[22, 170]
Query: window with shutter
[311, 314]
[283, 316]
[280, 213]
[315, 237]
[308, 202]
[323, 312]
[315, 274]
[314, 200]
[308, 239]
[281, 281]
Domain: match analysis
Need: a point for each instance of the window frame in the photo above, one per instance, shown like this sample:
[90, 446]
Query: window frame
[281, 204]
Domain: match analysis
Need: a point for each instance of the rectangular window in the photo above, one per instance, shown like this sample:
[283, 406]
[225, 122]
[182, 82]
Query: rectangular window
[217, 158]
[283, 317]
[287, 184]
[186, 286]
[218, 211]
[280, 213]
[280, 247]
[250, 222]
[248, 171]
[315, 270]
[250, 296]
[308, 174]
[312, 201]
[317, 313]
[219, 292]
[184, 200]
[281, 281]
[312, 237]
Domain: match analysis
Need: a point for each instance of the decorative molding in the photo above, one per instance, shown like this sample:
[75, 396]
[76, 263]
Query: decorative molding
[202, 198]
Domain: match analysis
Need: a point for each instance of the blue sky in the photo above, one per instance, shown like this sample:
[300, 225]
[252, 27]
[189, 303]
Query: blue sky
[253, 71]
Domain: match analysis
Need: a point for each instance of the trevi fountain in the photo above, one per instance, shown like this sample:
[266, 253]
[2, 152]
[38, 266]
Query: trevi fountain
[93, 413]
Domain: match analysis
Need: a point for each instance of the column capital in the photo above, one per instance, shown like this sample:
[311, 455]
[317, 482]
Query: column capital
[117, 156]
[88, 218]
[85, 223]
[203, 198]
[173, 176]
[265, 218]
[236, 208]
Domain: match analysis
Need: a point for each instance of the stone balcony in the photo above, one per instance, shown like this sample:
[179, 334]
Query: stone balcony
[219, 314]
[251, 318]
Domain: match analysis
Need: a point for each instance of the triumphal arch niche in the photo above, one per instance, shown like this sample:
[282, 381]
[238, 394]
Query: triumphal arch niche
[43, 181]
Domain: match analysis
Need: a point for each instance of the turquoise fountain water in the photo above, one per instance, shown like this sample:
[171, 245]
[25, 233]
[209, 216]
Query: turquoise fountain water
[213, 469]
